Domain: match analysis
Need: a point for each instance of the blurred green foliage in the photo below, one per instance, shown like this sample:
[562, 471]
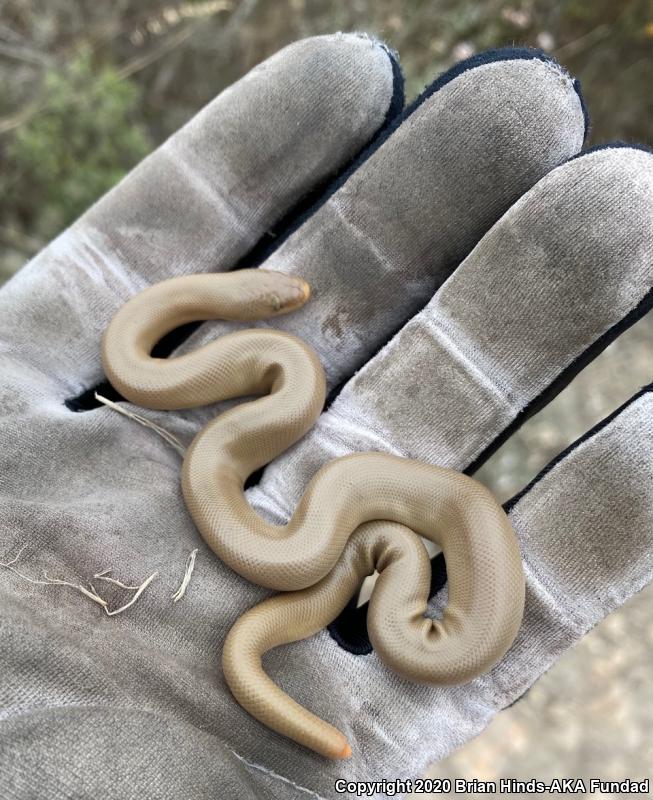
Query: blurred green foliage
[79, 144]
[87, 88]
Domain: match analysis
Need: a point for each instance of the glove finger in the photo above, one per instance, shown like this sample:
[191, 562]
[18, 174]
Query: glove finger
[556, 279]
[385, 236]
[585, 527]
[203, 199]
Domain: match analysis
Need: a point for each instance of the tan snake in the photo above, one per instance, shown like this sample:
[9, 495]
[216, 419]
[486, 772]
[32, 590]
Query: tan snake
[358, 513]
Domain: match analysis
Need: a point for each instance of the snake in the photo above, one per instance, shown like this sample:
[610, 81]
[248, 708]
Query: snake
[359, 513]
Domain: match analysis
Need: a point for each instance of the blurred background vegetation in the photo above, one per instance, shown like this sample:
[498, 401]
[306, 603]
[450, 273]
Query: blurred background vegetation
[88, 88]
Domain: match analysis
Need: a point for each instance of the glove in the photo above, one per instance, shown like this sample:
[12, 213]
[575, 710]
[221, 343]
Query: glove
[557, 278]
[135, 703]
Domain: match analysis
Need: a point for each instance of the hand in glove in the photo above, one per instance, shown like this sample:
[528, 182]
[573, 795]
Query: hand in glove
[136, 703]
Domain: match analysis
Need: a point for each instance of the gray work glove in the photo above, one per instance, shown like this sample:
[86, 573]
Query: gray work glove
[135, 705]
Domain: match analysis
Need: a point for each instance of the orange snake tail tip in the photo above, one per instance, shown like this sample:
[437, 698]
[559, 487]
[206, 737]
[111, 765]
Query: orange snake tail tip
[306, 290]
[345, 752]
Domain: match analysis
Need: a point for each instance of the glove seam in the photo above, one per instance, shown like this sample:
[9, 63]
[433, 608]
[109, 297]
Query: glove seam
[357, 423]
[463, 354]
[506, 694]
[252, 765]
[534, 577]
[238, 217]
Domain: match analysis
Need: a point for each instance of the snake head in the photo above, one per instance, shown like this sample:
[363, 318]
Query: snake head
[272, 293]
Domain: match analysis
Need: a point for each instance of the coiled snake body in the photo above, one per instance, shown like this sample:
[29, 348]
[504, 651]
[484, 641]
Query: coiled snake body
[358, 513]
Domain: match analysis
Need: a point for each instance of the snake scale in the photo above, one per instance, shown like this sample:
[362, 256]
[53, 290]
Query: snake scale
[358, 513]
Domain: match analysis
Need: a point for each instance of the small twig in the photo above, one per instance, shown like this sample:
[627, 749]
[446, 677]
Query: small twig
[38, 106]
[14, 559]
[26, 54]
[92, 594]
[50, 581]
[190, 565]
[102, 576]
[173, 41]
[170, 438]
[140, 591]
[584, 42]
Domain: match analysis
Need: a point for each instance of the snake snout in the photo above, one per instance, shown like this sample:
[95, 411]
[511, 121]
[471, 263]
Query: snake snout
[279, 293]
